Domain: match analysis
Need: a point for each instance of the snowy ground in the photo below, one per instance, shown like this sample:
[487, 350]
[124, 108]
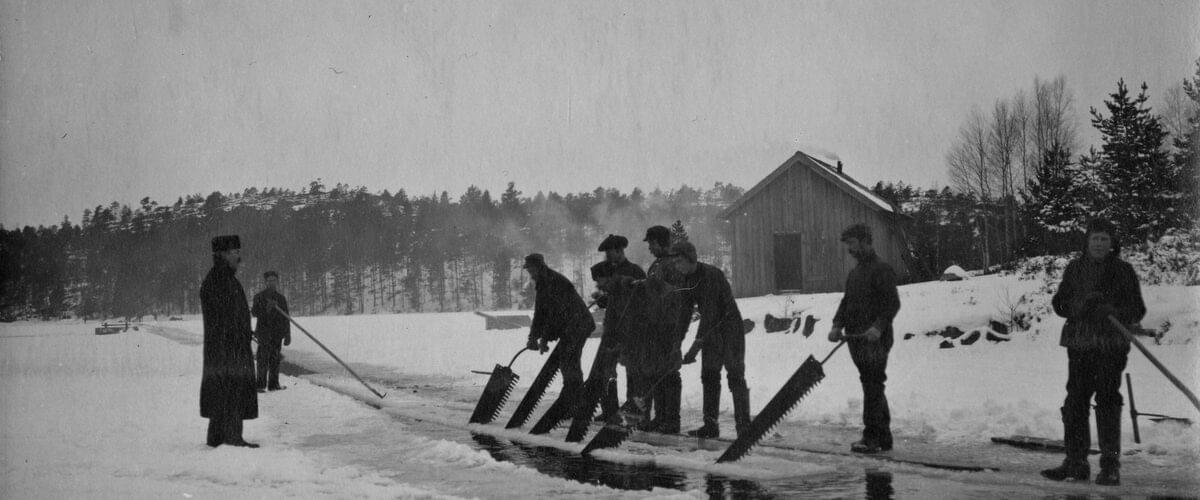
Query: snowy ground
[116, 416]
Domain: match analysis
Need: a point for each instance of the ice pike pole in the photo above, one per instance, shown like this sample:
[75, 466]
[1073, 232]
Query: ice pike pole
[803, 380]
[330, 353]
[495, 393]
[1153, 360]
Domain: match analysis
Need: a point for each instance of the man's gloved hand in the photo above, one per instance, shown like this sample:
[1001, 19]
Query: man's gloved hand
[532, 345]
[1102, 311]
[287, 340]
[543, 346]
[872, 334]
[835, 334]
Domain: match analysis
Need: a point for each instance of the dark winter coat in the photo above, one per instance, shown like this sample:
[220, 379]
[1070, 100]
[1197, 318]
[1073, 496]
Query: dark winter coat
[618, 305]
[708, 290]
[272, 326]
[227, 388]
[871, 299]
[1089, 292]
[559, 312]
[659, 324]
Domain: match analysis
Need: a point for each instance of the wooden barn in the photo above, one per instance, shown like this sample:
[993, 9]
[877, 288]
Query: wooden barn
[787, 229]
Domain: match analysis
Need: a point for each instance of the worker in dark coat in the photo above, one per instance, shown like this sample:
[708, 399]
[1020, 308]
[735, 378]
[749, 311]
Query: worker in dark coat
[227, 394]
[612, 277]
[664, 321]
[559, 314]
[1095, 286]
[721, 338]
[273, 331]
[864, 320]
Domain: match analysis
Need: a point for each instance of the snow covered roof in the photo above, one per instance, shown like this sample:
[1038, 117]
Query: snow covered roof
[840, 179]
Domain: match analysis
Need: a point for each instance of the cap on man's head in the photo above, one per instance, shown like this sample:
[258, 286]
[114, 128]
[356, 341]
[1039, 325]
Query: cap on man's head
[860, 232]
[613, 242]
[270, 274]
[684, 249]
[659, 234]
[534, 260]
[226, 242]
[601, 270]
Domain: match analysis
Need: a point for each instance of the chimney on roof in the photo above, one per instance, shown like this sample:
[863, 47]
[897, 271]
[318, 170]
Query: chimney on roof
[839, 166]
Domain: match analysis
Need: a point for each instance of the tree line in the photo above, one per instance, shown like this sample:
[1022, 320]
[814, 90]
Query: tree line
[340, 250]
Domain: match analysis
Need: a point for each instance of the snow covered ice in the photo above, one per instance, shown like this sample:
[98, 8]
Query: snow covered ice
[116, 416]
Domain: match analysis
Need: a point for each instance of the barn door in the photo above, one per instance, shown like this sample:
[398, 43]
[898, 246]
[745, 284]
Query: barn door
[787, 262]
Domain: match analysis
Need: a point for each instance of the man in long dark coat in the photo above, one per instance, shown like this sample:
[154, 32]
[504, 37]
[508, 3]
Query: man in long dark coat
[273, 331]
[613, 277]
[227, 393]
[721, 339]
[559, 314]
[864, 320]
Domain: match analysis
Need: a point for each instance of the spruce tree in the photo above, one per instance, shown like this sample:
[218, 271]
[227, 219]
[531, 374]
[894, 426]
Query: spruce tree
[1139, 182]
[1187, 155]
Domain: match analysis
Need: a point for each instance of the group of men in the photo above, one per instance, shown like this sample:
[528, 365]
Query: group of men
[648, 315]
[231, 381]
[646, 319]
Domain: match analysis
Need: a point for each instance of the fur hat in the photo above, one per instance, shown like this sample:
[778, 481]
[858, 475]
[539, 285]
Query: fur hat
[226, 242]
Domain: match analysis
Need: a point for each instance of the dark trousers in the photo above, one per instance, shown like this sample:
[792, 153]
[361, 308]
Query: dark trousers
[1093, 372]
[730, 354]
[224, 429]
[871, 360]
[268, 356]
[604, 371]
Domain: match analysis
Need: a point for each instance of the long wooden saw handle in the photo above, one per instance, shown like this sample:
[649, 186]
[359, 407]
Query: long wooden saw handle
[1124, 331]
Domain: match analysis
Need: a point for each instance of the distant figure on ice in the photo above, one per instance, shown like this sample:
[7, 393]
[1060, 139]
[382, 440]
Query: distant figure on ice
[559, 314]
[272, 330]
[1096, 285]
[227, 394]
[612, 277]
[864, 320]
[721, 339]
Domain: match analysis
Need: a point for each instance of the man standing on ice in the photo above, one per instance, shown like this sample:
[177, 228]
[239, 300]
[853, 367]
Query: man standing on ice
[720, 337]
[273, 329]
[1095, 286]
[559, 314]
[227, 393]
[666, 322]
[613, 277]
[864, 321]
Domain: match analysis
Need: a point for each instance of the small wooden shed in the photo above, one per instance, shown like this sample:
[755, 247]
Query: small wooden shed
[787, 229]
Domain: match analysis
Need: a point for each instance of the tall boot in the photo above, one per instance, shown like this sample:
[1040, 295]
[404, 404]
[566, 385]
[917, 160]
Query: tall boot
[741, 409]
[669, 394]
[1076, 438]
[1108, 434]
[712, 407]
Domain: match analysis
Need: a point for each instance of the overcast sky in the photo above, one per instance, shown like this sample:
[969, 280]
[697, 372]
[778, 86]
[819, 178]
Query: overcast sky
[117, 100]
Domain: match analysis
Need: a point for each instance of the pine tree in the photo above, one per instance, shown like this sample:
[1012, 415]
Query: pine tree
[1058, 202]
[678, 233]
[1187, 155]
[1139, 182]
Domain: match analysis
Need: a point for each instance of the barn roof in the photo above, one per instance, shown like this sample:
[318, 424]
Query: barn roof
[839, 179]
